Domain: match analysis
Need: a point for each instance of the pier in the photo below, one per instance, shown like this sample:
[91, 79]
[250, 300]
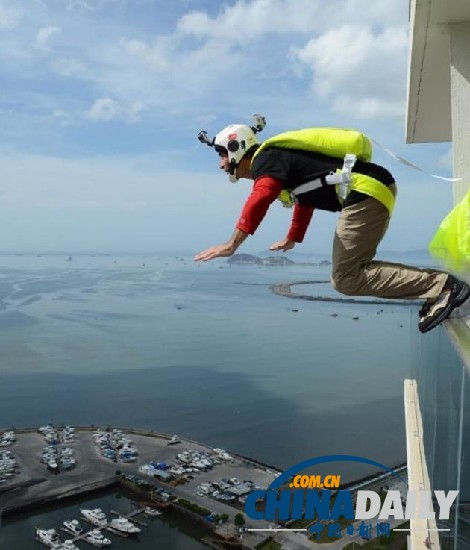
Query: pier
[285, 289]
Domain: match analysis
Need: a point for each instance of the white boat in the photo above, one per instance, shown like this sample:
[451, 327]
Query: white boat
[73, 527]
[124, 525]
[52, 465]
[96, 538]
[95, 517]
[45, 429]
[152, 512]
[174, 440]
[49, 537]
[68, 545]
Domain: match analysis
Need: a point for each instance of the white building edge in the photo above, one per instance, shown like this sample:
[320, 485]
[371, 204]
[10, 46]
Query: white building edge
[438, 109]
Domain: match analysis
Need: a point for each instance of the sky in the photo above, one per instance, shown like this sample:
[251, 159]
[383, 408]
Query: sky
[101, 102]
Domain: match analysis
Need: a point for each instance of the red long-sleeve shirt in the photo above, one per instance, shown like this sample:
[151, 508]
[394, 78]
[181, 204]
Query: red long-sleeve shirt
[265, 190]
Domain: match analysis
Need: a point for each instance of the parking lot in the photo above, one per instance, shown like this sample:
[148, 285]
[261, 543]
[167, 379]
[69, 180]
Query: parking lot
[93, 470]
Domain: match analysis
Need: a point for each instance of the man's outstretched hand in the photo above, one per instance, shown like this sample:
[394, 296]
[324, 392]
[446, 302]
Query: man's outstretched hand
[218, 251]
[283, 245]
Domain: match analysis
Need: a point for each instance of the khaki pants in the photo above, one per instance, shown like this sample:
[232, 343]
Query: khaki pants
[359, 231]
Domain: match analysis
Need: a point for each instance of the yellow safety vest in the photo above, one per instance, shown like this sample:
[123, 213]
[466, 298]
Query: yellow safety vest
[336, 143]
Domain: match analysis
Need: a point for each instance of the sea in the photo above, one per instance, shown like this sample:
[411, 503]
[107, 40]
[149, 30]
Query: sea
[203, 350]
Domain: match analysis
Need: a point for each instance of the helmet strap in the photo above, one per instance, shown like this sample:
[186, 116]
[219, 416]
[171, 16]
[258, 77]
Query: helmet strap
[233, 166]
[231, 172]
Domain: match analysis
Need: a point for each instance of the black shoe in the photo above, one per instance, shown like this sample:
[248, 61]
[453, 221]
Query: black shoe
[453, 295]
[425, 308]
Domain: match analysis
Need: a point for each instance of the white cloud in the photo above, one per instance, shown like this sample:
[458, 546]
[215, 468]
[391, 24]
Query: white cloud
[358, 69]
[367, 108]
[359, 64]
[10, 15]
[43, 37]
[223, 60]
[247, 20]
[187, 71]
[159, 55]
[91, 5]
[106, 109]
[103, 108]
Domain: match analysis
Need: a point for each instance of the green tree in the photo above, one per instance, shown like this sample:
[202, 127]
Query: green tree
[239, 520]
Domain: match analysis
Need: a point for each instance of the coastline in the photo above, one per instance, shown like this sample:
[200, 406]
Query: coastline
[285, 289]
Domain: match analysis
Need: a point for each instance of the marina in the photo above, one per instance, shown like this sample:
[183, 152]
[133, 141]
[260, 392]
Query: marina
[165, 472]
[166, 475]
[121, 527]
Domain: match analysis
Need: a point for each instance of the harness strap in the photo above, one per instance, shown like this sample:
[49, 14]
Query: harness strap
[308, 186]
[348, 164]
[345, 181]
[342, 179]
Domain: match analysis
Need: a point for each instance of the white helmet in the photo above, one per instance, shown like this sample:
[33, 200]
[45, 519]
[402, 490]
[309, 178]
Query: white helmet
[235, 140]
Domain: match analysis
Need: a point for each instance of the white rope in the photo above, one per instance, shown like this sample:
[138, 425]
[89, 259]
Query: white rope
[411, 165]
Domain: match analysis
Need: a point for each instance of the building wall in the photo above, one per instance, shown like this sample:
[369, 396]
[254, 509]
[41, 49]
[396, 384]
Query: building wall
[444, 395]
[459, 46]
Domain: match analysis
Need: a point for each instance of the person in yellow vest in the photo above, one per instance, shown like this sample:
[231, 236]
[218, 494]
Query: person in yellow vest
[329, 169]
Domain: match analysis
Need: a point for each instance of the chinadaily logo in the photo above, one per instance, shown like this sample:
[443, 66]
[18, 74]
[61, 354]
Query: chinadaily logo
[300, 501]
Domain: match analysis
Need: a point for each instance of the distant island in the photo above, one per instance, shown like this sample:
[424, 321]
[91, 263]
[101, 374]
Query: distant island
[238, 259]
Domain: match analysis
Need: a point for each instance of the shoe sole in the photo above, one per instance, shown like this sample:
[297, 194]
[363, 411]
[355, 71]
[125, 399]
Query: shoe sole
[461, 297]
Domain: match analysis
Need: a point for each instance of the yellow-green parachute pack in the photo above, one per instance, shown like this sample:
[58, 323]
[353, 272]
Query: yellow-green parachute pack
[450, 245]
[334, 142]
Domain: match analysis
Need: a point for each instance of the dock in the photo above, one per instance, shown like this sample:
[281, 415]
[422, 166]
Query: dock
[41, 541]
[132, 515]
[116, 532]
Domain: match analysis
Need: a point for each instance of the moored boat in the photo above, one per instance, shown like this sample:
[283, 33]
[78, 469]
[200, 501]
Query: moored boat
[96, 538]
[124, 525]
[68, 545]
[73, 527]
[49, 537]
[152, 512]
[96, 516]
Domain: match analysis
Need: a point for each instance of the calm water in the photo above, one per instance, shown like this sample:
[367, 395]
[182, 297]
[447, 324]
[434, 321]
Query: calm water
[205, 351]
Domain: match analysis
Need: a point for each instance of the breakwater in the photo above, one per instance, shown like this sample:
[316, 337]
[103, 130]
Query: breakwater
[285, 289]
